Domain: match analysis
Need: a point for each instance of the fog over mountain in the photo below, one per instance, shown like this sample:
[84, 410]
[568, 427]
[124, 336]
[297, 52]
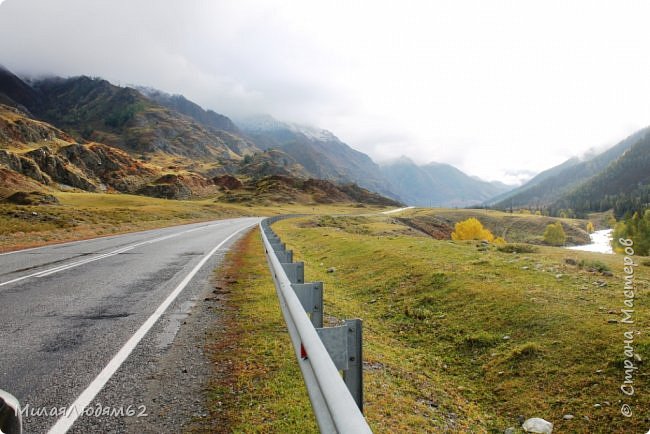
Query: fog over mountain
[490, 91]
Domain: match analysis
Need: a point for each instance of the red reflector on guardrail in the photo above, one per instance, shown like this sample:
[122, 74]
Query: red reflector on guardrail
[303, 352]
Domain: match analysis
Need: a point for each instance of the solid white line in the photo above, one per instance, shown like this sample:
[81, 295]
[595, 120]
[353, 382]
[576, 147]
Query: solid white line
[86, 397]
[59, 268]
[70, 243]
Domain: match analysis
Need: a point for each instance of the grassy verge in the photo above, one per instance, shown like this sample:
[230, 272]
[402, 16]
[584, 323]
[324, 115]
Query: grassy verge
[460, 338]
[87, 215]
[257, 385]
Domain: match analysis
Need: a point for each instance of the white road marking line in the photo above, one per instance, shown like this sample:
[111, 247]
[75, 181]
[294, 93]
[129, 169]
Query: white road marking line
[87, 396]
[71, 243]
[59, 268]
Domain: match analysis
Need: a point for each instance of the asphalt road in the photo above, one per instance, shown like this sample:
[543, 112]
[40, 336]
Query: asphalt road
[70, 312]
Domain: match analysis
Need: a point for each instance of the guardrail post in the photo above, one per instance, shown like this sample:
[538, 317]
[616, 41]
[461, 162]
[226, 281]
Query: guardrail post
[285, 256]
[353, 376]
[343, 343]
[295, 271]
[311, 297]
[278, 246]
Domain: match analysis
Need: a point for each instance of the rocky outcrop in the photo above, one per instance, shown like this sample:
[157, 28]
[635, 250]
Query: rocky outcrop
[227, 182]
[24, 166]
[59, 169]
[174, 186]
[31, 198]
[18, 128]
[110, 166]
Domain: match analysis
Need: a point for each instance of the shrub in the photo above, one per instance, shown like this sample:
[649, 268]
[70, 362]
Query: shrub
[517, 248]
[481, 340]
[636, 228]
[554, 234]
[471, 229]
[525, 351]
[594, 265]
[590, 227]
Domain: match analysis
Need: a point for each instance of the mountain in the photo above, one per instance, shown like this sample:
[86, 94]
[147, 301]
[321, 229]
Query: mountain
[184, 106]
[174, 135]
[86, 134]
[536, 180]
[37, 158]
[319, 151]
[15, 92]
[550, 186]
[169, 130]
[437, 184]
[94, 109]
[624, 185]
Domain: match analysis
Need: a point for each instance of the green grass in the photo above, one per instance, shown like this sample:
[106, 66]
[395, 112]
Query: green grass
[465, 340]
[258, 386]
[88, 215]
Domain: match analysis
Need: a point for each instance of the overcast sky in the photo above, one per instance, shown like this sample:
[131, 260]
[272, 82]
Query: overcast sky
[499, 89]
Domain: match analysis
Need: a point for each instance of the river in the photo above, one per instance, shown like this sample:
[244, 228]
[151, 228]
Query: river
[600, 242]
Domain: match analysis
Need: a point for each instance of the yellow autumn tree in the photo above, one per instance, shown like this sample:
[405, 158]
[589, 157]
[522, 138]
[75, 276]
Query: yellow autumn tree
[590, 227]
[471, 229]
[554, 234]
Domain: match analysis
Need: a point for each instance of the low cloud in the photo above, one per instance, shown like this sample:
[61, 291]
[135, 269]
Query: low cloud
[487, 91]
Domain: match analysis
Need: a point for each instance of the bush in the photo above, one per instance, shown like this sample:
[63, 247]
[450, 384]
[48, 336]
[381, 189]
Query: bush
[518, 248]
[637, 229]
[594, 265]
[481, 340]
[590, 227]
[471, 229]
[554, 234]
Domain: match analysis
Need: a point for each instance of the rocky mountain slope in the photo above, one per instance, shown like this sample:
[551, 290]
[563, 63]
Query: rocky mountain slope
[51, 158]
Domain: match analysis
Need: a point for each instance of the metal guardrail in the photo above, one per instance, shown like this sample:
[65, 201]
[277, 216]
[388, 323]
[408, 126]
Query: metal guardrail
[337, 400]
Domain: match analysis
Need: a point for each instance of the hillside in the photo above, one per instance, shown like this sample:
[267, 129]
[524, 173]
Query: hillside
[551, 185]
[437, 184]
[320, 152]
[536, 180]
[623, 186]
[40, 155]
[284, 189]
[35, 156]
[184, 106]
[94, 109]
